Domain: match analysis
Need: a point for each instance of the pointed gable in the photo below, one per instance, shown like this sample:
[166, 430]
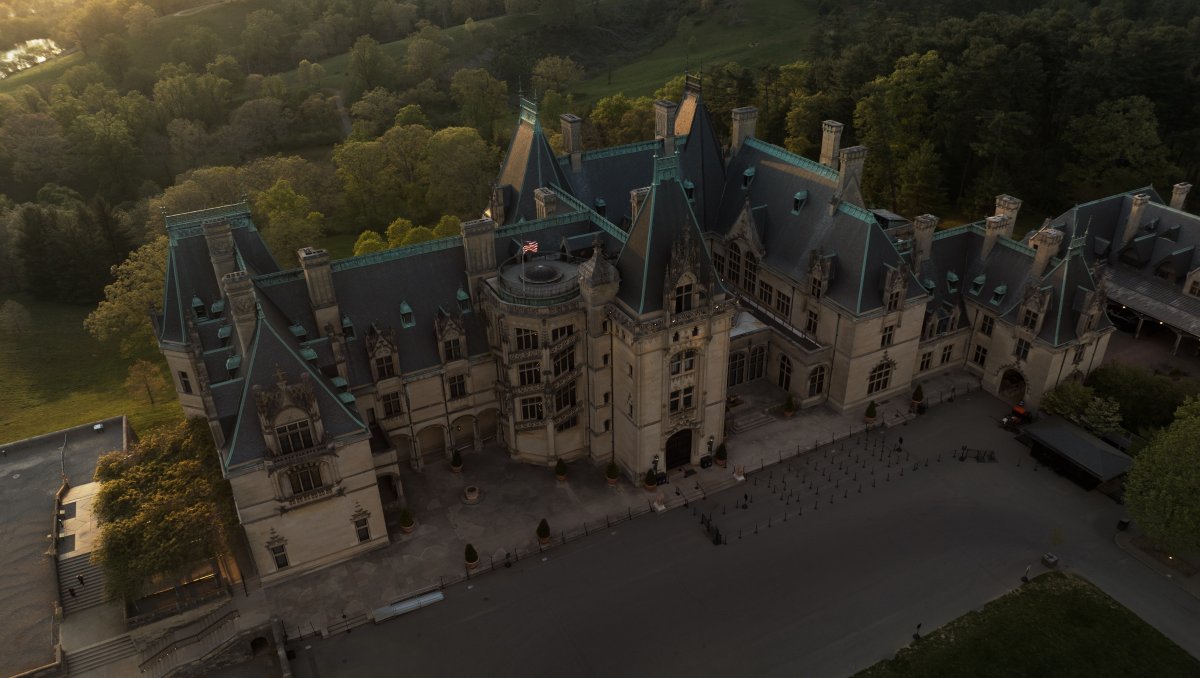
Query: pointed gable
[701, 161]
[528, 165]
[664, 218]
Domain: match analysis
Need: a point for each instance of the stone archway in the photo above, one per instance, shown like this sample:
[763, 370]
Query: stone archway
[432, 440]
[404, 447]
[678, 450]
[489, 425]
[1012, 386]
[462, 432]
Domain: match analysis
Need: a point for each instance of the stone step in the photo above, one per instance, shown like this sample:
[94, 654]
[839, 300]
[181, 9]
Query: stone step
[745, 422]
[100, 654]
[90, 593]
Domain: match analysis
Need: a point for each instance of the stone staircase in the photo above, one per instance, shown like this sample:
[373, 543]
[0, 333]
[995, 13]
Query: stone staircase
[89, 594]
[94, 656]
[750, 420]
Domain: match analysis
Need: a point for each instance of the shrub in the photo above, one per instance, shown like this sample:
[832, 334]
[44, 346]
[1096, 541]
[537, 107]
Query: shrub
[406, 517]
[469, 554]
[651, 479]
[543, 529]
[722, 454]
[789, 405]
[611, 471]
[919, 394]
[456, 459]
[560, 468]
[871, 410]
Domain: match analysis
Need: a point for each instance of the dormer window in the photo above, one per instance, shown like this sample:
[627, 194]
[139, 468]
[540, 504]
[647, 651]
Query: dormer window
[217, 308]
[464, 300]
[199, 309]
[689, 189]
[1194, 288]
[951, 282]
[223, 334]
[816, 288]
[298, 331]
[998, 294]
[894, 299]
[747, 177]
[683, 298]
[977, 284]
[232, 363]
[384, 367]
[347, 327]
[406, 315]
[798, 201]
[600, 206]
[452, 350]
[295, 437]
[1030, 319]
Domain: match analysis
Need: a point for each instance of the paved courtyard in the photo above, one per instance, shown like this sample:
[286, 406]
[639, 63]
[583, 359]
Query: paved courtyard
[818, 578]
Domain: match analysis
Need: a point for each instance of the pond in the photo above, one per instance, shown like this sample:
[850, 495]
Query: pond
[27, 55]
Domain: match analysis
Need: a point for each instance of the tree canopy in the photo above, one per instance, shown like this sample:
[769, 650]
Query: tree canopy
[1162, 490]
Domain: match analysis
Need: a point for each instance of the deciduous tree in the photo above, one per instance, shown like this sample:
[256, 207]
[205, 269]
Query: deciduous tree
[146, 379]
[123, 314]
[1163, 487]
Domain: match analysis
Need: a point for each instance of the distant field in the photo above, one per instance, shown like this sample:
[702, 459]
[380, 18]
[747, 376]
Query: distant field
[55, 375]
[1057, 625]
[769, 32]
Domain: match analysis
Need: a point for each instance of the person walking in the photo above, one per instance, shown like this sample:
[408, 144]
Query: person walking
[71, 591]
[80, 578]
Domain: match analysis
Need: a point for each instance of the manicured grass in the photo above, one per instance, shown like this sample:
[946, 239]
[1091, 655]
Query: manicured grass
[1056, 626]
[54, 375]
[769, 32]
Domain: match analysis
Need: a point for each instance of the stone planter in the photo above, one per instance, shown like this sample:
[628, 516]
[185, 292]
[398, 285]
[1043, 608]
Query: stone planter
[650, 488]
[408, 529]
[456, 469]
[787, 414]
[721, 462]
[470, 495]
[543, 540]
[471, 564]
[611, 481]
[560, 478]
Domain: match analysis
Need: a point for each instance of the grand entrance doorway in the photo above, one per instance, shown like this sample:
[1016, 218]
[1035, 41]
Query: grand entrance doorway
[1012, 386]
[679, 449]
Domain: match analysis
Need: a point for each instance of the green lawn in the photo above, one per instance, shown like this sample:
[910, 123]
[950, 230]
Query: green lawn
[54, 375]
[769, 32]
[1057, 626]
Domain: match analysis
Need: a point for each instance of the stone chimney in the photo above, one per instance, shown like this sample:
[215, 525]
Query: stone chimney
[572, 136]
[994, 227]
[664, 124]
[636, 197]
[479, 247]
[1008, 206]
[219, 237]
[850, 173]
[744, 121]
[924, 227]
[831, 142]
[319, 277]
[1045, 244]
[243, 305]
[1134, 222]
[1179, 195]
[545, 201]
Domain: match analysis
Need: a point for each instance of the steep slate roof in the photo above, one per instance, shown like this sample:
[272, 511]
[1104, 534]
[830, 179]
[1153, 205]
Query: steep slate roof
[664, 217]
[609, 174]
[528, 165]
[701, 159]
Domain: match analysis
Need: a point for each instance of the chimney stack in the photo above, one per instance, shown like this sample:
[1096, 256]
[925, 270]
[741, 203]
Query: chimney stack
[664, 124]
[850, 173]
[1134, 222]
[1179, 195]
[831, 142]
[572, 136]
[1045, 244]
[924, 227]
[545, 202]
[744, 121]
[244, 306]
[318, 275]
[1008, 206]
[994, 227]
[219, 238]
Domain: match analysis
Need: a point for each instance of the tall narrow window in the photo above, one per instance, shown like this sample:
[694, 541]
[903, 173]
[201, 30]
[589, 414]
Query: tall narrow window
[980, 355]
[816, 381]
[751, 279]
[683, 362]
[531, 408]
[766, 293]
[294, 436]
[564, 361]
[1078, 357]
[564, 397]
[384, 367]
[894, 299]
[391, 405]
[1030, 320]
[458, 386]
[526, 339]
[185, 384]
[683, 298]
[947, 353]
[362, 528]
[719, 263]
[529, 373]
[783, 303]
[926, 360]
[1022, 350]
[815, 289]
[453, 349]
[987, 325]
[735, 263]
[758, 361]
[889, 334]
[785, 373]
[737, 368]
[810, 325]
[279, 555]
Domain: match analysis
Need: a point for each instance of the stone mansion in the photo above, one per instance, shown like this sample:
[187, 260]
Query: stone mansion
[601, 308]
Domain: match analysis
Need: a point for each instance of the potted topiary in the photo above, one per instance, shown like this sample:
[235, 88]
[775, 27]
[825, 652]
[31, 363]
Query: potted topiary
[651, 480]
[611, 472]
[543, 532]
[789, 406]
[456, 462]
[722, 456]
[918, 397]
[407, 524]
[870, 415]
[560, 470]
[470, 557]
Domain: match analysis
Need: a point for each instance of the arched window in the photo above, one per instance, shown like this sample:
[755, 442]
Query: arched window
[816, 381]
[758, 362]
[751, 280]
[879, 378]
[735, 263]
[785, 373]
[737, 368]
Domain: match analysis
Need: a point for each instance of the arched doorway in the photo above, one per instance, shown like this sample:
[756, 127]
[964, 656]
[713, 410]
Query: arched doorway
[462, 433]
[489, 425]
[432, 440]
[678, 450]
[389, 488]
[403, 445]
[1012, 386]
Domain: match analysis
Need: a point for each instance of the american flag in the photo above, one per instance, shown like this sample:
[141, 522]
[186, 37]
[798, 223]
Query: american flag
[529, 246]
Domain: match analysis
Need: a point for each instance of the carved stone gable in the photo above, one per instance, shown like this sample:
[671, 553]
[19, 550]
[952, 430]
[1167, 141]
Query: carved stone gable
[271, 402]
[743, 229]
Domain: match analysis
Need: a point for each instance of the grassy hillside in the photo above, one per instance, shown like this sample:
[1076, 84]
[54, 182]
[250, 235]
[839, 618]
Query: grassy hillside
[54, 375]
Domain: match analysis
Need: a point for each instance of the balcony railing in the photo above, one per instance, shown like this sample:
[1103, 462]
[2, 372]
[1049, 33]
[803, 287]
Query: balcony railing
[312, 495]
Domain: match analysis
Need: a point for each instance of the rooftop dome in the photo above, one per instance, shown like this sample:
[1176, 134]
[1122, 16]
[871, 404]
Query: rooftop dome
[541, 274]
